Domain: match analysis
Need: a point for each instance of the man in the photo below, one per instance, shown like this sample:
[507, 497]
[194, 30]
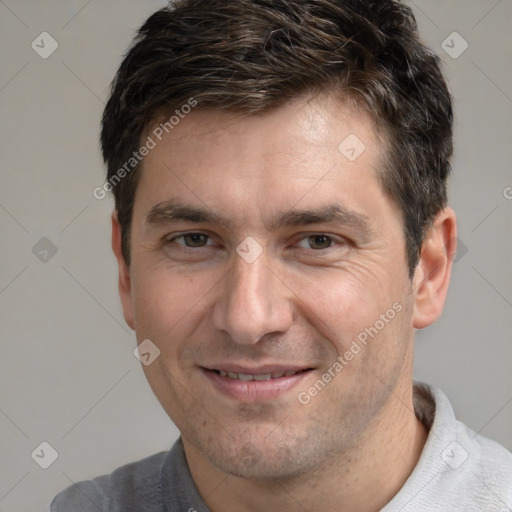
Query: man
[281, 228]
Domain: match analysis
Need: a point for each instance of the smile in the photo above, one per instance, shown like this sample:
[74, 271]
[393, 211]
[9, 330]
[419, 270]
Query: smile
[259, 377]
[254, 385]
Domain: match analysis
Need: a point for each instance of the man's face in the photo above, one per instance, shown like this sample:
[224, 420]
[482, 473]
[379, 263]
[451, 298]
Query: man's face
[324, 263]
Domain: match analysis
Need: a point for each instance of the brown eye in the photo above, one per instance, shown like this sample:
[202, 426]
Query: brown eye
[319, 242]
[191, 240]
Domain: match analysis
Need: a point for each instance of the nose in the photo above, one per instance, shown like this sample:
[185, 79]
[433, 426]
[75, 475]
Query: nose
[253, 302]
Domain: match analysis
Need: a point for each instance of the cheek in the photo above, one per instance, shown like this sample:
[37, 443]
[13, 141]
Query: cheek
[167, 301]
[345, 298]
[359, 310]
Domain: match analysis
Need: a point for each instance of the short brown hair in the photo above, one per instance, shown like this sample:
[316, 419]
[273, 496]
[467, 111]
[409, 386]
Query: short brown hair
[249, 56]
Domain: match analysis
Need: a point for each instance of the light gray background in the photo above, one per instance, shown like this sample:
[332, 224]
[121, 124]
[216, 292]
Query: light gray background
[67, 371]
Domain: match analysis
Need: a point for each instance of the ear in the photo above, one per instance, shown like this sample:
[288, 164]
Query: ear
[432, 274]
[124, 283]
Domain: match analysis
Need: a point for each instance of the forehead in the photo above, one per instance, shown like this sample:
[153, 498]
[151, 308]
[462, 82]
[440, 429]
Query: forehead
[299, 129]
[301, 152]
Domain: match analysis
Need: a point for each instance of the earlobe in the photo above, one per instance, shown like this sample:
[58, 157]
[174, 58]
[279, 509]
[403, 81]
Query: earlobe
[432, 275]
[124, 283]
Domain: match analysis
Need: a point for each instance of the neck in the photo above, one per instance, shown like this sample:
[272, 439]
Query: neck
[362, 479]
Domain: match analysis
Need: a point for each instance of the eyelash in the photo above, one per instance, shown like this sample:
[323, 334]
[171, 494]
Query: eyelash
[183, 235]
[304, 237]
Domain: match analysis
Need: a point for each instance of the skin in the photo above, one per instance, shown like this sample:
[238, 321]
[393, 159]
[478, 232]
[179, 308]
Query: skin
[302, 302]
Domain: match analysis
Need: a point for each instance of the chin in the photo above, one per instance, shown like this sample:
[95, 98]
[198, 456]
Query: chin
[263, 459]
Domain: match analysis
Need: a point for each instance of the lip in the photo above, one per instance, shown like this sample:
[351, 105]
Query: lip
[255, 370]
[254, 390]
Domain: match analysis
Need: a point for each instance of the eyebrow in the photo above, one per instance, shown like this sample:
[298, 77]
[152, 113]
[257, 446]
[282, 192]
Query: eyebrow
[330, 213]
[174, 211]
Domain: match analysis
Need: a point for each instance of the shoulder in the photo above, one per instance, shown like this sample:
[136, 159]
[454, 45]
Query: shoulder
[487, 469]
[464, 448]
[132, 487]
[458, 469]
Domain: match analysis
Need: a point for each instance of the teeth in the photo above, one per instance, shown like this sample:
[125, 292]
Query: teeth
[260, 377]
[265, 376]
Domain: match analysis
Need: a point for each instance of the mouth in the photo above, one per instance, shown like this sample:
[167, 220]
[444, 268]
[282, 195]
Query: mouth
[258, 376]
[255, 384]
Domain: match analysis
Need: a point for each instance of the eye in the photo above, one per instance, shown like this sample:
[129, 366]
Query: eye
[192, 240]
[317, 242]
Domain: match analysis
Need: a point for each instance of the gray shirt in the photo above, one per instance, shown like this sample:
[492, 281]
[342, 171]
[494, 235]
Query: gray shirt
[458, 470]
